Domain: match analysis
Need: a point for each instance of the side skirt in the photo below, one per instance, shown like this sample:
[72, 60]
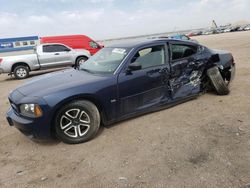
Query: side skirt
[154, 109]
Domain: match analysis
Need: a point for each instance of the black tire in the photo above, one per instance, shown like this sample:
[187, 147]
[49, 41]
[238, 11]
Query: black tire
[67, 126]
[80, 60]
[21, 72]
[217, 81]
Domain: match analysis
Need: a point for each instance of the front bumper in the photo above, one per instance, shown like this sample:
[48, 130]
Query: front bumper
[35, 128]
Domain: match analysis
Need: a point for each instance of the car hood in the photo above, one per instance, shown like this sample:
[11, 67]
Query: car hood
[58, 81]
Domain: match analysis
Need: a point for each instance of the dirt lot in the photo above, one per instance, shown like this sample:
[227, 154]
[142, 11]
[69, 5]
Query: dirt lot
[201, 143]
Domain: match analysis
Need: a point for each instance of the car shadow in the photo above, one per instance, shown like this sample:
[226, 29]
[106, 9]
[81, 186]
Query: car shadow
[49, 142]
[55, 141]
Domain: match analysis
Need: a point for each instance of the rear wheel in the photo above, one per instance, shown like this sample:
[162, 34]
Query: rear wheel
[80, 60]
[220, 84]
[77, 122]
[21, 72]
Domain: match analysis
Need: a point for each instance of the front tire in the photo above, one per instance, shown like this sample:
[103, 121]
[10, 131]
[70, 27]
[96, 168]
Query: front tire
[77, 122]
[21, 72]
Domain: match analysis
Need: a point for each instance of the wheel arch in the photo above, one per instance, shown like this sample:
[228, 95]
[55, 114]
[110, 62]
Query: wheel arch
[68, 100]
[18, 64]
[225, 72]
[80, 56]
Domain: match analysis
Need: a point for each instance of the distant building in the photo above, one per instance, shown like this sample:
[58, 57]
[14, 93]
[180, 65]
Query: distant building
[18, 44]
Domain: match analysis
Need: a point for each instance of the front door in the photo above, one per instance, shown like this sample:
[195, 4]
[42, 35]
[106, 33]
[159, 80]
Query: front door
[147, 87]
[63, 55]
[55, 55]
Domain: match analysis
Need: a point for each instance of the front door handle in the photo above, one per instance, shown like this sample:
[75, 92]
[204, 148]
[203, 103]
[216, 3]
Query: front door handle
[56, 54]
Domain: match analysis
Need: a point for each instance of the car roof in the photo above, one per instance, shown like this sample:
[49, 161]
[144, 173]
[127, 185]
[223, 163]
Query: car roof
[135, 44]
[53, 44]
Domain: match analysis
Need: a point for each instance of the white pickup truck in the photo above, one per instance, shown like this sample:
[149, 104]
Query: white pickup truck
[45, 56]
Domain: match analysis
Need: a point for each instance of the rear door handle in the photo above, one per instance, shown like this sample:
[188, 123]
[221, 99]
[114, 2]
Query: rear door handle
[56, 54]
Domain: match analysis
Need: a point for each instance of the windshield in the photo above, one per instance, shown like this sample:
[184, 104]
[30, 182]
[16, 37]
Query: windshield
[105, 61]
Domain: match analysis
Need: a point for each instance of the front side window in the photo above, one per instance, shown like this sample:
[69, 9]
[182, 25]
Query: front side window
[149, 57]
[60, 48]
[55, 48]
[47, 48]
[179, 51]
[105, 61]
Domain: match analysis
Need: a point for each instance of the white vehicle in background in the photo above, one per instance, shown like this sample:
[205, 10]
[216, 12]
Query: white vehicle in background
[247, 28]
[45, 56]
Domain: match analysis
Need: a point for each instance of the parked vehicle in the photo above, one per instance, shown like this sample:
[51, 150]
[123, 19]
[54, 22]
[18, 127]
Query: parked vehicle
[242, 28]
[231, 29]
[194, 33]
[119, 82]
[176, 36]
[209, 32]
[45, 56]
[182, 37]
[75, 42]
[247, 28]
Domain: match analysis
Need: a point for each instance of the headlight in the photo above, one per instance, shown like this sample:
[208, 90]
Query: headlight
[31, 110]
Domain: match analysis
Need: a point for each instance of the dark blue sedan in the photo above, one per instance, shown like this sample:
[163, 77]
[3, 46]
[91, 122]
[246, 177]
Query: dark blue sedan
[119, 82]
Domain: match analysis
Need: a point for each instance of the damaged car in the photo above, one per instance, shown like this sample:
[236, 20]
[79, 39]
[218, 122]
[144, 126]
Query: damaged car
[118, 82]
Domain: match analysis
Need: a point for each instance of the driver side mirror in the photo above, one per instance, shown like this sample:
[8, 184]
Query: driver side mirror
[135, 66]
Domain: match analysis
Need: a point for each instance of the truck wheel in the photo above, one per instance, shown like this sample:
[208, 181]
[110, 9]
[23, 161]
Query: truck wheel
[80, 60]
[219, 84]
[77, 122]
[21, 72]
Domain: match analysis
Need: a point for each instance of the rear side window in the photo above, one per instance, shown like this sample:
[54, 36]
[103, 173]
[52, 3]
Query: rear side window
[54, 48]
[179, 51]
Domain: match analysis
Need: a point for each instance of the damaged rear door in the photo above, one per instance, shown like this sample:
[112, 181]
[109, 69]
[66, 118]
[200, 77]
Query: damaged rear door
[187, 66]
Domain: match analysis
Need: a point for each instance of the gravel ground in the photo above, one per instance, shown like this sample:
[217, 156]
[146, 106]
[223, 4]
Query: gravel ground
[201, 143]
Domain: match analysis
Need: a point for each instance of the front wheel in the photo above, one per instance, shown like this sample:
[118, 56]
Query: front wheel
[77, 122]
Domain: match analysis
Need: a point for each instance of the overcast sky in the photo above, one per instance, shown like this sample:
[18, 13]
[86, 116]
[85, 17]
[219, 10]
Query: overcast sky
[102, 19]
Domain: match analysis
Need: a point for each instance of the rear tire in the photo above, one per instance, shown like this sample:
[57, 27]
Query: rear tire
[21, 72]
[77, 122]
[217, 81]
[80, 60]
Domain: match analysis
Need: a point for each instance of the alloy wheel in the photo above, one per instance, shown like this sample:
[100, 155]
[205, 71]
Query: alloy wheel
[21, 72]
[75, 123]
